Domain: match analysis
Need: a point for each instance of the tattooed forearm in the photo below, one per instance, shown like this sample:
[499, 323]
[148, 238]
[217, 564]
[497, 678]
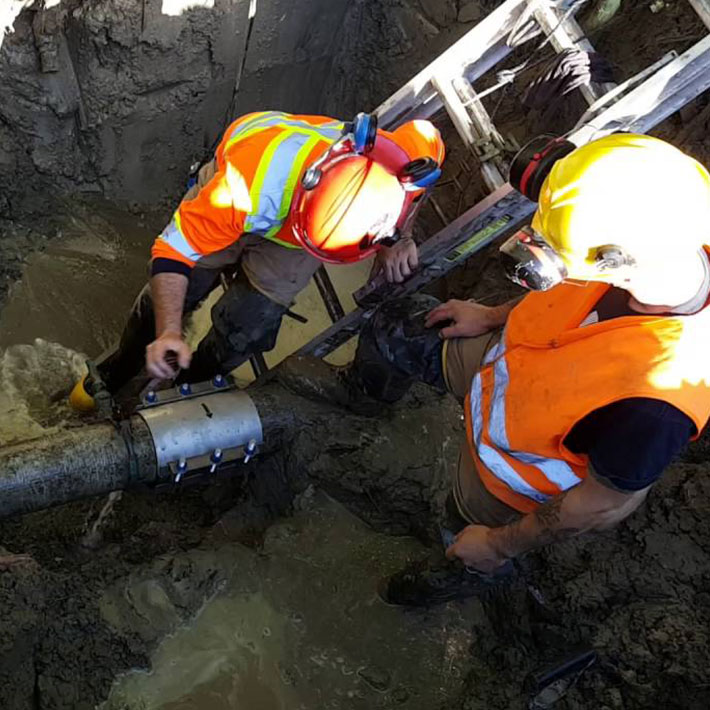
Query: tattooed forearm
[548, 517]
[587, 507]
[543, 527]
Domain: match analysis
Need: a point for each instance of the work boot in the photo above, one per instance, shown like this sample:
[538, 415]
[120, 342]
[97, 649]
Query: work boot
[81, 397]
[423, 584]
[315, 379]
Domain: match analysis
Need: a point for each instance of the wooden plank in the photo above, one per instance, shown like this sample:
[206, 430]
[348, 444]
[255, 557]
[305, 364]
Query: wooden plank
[702, 7]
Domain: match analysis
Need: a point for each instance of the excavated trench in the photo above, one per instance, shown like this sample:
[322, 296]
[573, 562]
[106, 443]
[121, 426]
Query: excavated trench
[258, 590]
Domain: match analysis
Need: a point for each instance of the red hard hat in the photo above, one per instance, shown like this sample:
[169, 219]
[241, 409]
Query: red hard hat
[357, 199]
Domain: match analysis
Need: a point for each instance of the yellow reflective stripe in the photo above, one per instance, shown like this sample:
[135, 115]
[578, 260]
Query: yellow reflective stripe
[295, 173]
[262, 170]
[254, 127]
[283, 125]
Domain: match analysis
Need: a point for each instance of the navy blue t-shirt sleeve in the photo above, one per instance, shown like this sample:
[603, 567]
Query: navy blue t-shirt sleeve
[630, 442]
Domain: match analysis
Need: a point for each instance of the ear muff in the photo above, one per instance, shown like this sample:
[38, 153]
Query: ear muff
[534, 161]
[364, 130]
[419, 174]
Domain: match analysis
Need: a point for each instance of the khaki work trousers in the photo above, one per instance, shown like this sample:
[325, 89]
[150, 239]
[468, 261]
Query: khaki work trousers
[462, 359]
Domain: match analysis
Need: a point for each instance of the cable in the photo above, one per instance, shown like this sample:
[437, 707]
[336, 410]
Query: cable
[506, 77]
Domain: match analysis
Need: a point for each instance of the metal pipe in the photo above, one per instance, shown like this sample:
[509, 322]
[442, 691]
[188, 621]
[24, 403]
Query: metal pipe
[174, 437]
[75, 464]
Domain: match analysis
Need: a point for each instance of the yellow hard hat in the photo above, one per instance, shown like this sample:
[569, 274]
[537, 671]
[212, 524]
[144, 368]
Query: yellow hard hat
[631, 193]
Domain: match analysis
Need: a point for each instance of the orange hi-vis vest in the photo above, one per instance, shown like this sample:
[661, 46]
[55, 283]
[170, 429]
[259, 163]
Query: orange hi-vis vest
[260, 160]
[547, 373]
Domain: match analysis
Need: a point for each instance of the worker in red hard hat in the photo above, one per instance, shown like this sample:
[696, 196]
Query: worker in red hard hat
[283, 194]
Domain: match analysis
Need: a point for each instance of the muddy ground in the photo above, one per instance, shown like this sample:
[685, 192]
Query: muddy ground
[258, 590]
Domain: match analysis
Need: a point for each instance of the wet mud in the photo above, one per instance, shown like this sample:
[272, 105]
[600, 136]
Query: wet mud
[259, 590]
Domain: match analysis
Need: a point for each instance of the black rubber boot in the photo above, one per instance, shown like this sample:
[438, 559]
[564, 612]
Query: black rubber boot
[423, 584]
[119, 365]
[244, 322]
[396, 349]
[122, 363]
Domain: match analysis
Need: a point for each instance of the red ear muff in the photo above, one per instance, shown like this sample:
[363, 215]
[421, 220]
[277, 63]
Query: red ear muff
[533, 163]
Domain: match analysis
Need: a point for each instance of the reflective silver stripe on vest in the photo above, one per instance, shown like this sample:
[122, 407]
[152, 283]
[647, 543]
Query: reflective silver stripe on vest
[331, 130]
[492, 459]
[173, 236]
[271, 192]
[279, 165]
[556, 470]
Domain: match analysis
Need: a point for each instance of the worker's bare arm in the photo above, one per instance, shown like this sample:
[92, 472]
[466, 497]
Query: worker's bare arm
[469, 318]
[168, 292]
[586, 507]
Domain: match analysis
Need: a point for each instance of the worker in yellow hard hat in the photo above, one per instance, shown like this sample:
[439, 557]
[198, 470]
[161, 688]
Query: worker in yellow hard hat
[578, 395]
[283, 194]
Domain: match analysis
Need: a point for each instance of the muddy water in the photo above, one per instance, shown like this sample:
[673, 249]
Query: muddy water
[77, 292]
[296, 627]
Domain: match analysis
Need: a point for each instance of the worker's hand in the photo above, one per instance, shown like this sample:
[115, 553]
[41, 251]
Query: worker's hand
[156, 354]
[398, 261]
[474, 547]
[468, 319]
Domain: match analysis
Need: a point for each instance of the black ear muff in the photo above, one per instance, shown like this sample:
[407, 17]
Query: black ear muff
[534, 161]
[419, 173]
[364, 130]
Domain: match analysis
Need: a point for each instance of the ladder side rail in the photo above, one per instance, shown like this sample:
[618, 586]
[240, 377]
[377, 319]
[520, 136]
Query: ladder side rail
[640, 110]
[661, 95]
[430, 102]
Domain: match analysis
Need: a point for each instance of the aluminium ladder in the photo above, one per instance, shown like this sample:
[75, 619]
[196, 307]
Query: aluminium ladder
[636, 105]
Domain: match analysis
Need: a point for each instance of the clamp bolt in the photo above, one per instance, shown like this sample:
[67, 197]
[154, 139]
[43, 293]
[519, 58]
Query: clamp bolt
[181, 468]
[219, 381]
[151, 397]
[249, 450]
[216, 459]
[185, 389]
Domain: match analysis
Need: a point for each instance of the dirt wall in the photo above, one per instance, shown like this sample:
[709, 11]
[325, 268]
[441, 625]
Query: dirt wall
[116, 96]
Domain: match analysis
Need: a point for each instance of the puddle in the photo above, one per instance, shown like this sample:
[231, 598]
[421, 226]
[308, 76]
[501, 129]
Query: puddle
[297, 627]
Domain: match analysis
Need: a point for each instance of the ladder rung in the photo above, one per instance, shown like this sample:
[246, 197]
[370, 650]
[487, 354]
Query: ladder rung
[473, 125]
